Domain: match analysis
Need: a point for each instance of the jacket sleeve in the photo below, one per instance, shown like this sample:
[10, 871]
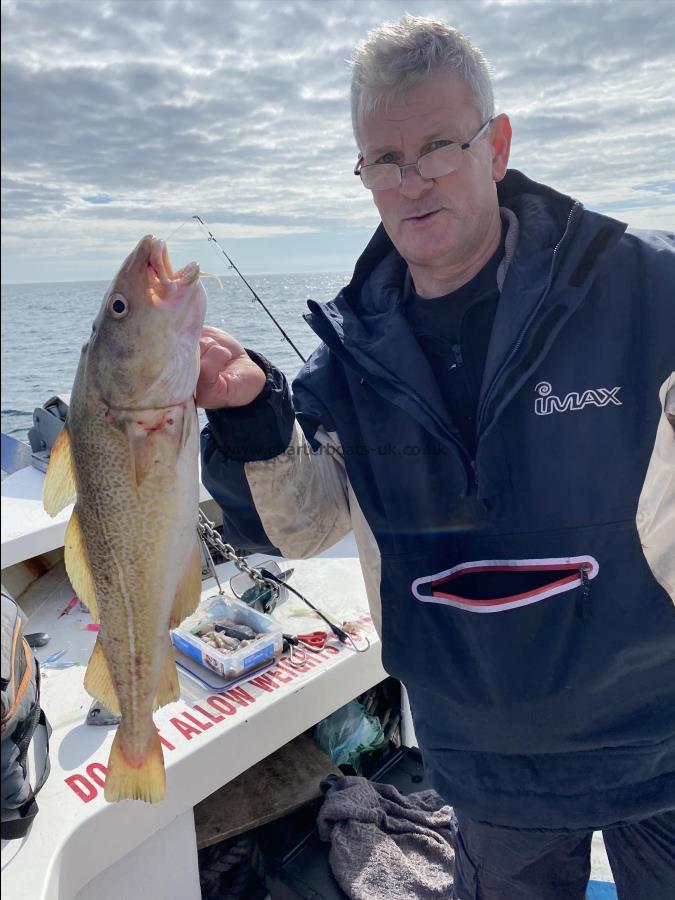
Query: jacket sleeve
[656, 508]
[282, 487]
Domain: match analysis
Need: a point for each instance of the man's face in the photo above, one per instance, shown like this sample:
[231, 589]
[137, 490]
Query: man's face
[440, 221]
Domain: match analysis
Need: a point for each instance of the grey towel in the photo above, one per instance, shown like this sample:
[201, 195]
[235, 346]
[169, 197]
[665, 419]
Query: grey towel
[386, 846]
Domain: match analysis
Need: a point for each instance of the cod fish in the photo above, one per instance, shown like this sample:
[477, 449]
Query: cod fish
[129, 453]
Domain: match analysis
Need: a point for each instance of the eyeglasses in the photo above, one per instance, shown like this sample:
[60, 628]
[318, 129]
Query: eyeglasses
[434, 164]
[261, 597]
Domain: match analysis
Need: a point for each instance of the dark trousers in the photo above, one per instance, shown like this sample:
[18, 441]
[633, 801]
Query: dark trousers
[494, 863]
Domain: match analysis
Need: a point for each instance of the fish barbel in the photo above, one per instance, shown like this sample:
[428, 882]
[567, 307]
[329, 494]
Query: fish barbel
[129, 452]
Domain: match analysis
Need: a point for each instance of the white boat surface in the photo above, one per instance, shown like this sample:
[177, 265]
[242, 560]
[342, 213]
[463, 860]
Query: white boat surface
[80, 847]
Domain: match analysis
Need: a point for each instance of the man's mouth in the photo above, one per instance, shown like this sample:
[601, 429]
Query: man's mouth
[421, 217]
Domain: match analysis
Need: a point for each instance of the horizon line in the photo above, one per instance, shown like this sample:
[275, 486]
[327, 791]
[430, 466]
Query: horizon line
[224, 275]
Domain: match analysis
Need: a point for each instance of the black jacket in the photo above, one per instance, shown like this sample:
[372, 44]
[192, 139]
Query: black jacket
[517, 606]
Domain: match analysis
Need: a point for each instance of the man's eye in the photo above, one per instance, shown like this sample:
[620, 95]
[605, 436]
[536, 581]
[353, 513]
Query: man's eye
[386, 158]
[435, 145]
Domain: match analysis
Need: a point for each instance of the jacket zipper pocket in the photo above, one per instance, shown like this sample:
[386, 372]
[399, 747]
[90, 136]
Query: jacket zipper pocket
[583, 604]
[486, 585]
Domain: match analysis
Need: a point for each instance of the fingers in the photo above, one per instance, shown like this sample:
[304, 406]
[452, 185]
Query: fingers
[212, 331]
[245, 380]
[218, 336]
[212, 388]
[226, 378]
[213, 357]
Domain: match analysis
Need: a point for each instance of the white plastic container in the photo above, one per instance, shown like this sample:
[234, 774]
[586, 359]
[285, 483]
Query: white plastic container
[256, 653]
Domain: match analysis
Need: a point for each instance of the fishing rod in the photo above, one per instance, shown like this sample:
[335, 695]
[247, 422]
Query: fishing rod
[213, 240]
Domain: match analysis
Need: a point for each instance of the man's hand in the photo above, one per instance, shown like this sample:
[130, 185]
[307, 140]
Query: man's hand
[227, 374]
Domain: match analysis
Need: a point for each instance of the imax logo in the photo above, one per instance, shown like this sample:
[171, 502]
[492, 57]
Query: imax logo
[547, 403]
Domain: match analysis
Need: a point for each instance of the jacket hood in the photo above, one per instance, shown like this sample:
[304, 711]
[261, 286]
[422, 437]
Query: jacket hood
[542, 212]
[548, 276]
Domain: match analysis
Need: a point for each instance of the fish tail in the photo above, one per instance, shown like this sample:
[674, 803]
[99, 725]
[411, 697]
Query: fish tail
[143, 781]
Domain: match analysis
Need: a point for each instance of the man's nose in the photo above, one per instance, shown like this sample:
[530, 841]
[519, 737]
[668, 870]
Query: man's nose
[412, 183]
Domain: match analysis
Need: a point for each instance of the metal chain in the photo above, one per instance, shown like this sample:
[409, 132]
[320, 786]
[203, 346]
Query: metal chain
[210, 537]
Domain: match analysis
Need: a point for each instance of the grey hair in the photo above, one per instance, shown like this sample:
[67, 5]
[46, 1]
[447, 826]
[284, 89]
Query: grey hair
[396, 56]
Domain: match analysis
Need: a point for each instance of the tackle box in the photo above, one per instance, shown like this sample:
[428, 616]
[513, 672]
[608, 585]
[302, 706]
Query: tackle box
[232, 664]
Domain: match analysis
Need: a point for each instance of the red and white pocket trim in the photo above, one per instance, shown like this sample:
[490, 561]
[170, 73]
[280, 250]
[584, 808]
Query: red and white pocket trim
[567, 573]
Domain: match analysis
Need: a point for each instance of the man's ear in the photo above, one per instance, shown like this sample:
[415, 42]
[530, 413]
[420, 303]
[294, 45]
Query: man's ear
[500, 142]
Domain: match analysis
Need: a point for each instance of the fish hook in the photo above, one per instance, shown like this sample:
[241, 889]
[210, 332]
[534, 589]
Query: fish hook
[350, 640]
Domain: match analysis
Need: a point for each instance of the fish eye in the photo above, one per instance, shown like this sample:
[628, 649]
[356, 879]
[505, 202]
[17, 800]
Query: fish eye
[118, 306]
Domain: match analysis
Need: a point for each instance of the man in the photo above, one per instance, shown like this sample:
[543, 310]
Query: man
[482, 412]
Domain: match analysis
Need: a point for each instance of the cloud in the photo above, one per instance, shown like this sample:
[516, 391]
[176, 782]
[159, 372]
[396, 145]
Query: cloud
[125, 115]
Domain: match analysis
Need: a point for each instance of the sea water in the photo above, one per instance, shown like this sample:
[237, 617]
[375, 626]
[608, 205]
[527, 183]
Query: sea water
[45, 325]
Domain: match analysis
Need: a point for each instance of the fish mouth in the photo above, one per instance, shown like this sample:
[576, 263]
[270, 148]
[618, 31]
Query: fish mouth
[162, 282]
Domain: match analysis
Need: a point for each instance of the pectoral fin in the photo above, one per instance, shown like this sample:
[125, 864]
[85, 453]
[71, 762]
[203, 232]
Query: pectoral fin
[189, 590]
[154, 439]
[145, 451]
[59, 487]
[97, 680]
[77, 565]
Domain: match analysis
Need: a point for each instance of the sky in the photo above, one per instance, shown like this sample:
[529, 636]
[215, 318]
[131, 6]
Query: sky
[127, 117]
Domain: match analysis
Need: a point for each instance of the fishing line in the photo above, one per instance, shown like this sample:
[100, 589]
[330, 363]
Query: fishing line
[212, 240]
[231, 264]
[182, 225]
[343, 636]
